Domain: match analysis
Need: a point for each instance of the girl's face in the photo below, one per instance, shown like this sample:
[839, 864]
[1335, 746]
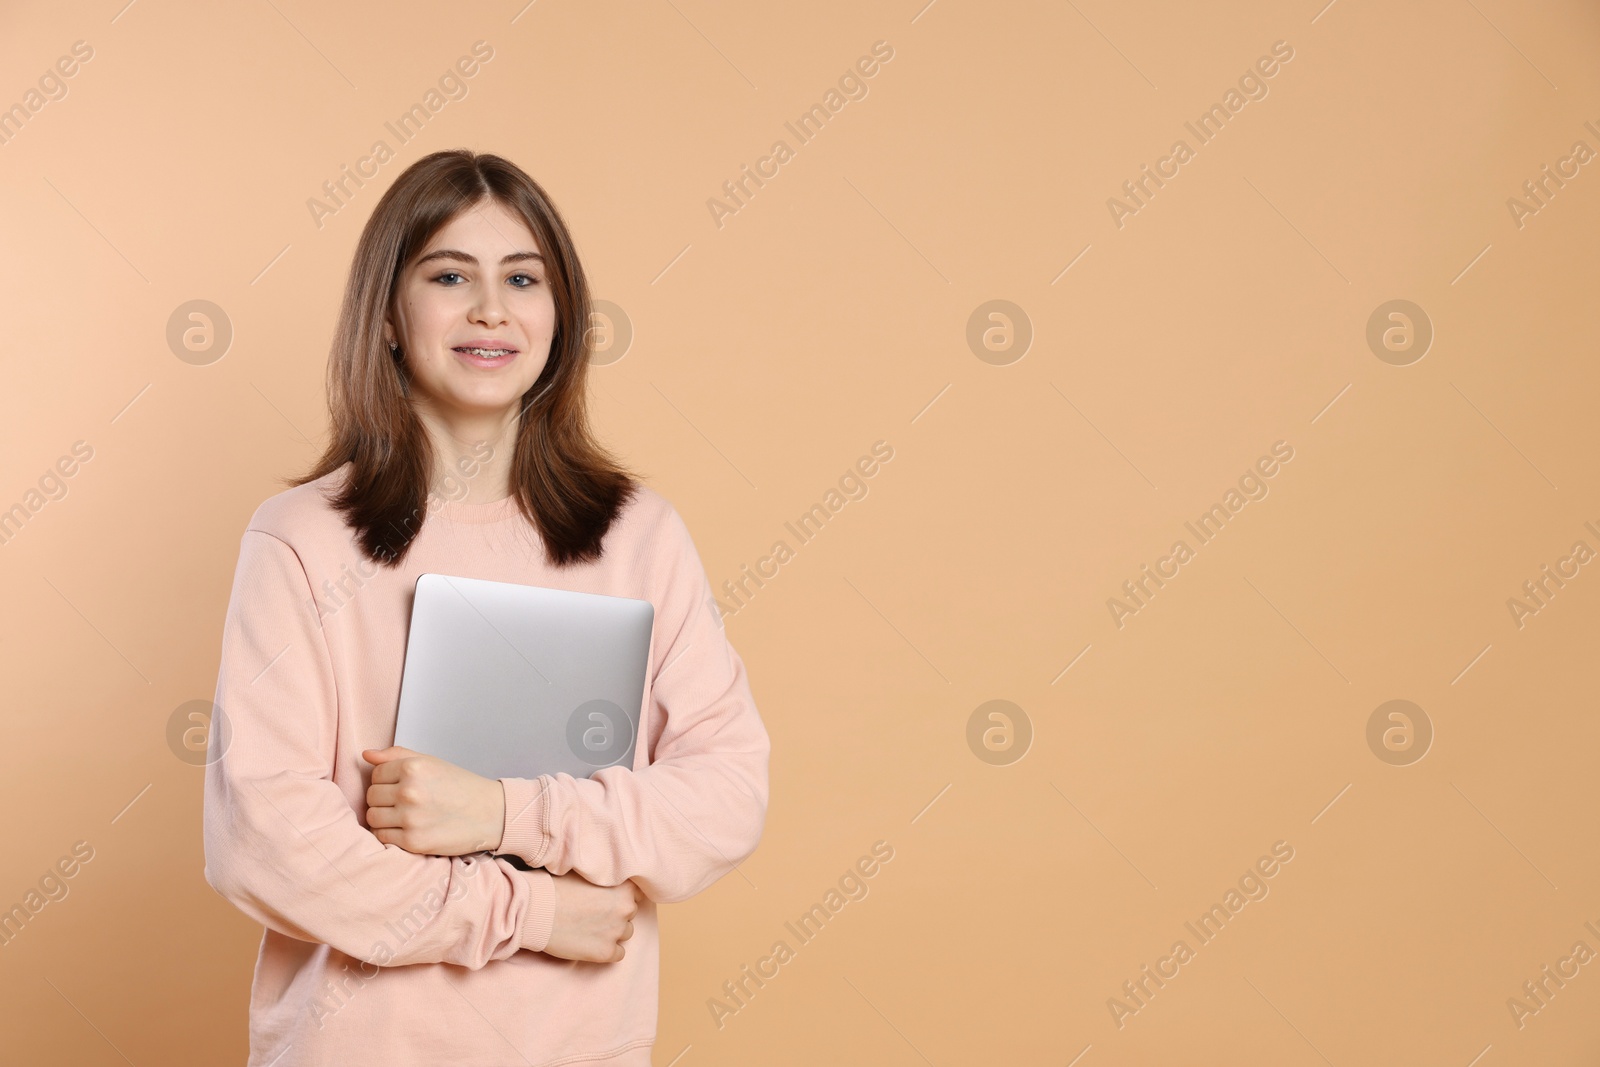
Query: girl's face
[474, 316]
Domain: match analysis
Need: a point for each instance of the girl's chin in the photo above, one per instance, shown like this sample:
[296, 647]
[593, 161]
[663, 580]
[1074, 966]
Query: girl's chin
[474, 403]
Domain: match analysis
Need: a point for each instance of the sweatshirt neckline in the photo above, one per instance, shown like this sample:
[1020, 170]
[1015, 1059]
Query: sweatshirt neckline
[491, 511]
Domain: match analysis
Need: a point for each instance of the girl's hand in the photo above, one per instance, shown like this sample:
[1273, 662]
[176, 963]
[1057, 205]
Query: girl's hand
[591, 921]
[432, 807]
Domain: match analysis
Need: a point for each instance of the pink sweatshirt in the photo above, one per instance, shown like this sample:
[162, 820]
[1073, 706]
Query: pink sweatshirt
[372, 954]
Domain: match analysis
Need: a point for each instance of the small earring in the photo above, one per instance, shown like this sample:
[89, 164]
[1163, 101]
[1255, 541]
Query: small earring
[393, 348]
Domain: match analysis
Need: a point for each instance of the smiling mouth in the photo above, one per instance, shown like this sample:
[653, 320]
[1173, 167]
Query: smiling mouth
[487, 353]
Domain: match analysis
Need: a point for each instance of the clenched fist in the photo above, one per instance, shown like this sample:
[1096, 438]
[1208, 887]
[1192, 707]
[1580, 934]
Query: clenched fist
[430, 806]
[591, 921]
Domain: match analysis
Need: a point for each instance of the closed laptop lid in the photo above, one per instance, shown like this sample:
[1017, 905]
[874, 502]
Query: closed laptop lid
[515, 681]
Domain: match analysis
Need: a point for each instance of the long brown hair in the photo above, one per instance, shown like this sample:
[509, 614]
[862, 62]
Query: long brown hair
[564, 482]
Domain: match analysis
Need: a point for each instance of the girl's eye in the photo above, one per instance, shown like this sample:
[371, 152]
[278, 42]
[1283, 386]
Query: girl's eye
[526, 280]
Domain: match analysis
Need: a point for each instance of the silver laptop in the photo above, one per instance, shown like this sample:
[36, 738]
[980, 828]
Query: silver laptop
[515, 681]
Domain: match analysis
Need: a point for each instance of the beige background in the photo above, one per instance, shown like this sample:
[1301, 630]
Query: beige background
[768, 354]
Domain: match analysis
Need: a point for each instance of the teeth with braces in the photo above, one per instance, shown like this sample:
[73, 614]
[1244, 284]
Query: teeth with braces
[487, 353]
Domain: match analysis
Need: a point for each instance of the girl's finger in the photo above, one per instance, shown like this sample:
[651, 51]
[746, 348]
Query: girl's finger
[382, 796]
[383, 817]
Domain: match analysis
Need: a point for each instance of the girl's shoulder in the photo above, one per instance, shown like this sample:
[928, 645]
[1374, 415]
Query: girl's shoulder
[650, 522]
[303, 513]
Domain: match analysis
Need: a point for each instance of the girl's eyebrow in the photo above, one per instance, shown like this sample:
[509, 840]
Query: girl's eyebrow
[467, 257]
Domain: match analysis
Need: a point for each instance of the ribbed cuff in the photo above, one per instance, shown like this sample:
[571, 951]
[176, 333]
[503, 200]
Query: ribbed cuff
[541, 909]
[526, 832]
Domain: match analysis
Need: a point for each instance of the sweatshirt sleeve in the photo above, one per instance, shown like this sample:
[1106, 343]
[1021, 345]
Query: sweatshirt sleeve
[282, 841]
[697, 809]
